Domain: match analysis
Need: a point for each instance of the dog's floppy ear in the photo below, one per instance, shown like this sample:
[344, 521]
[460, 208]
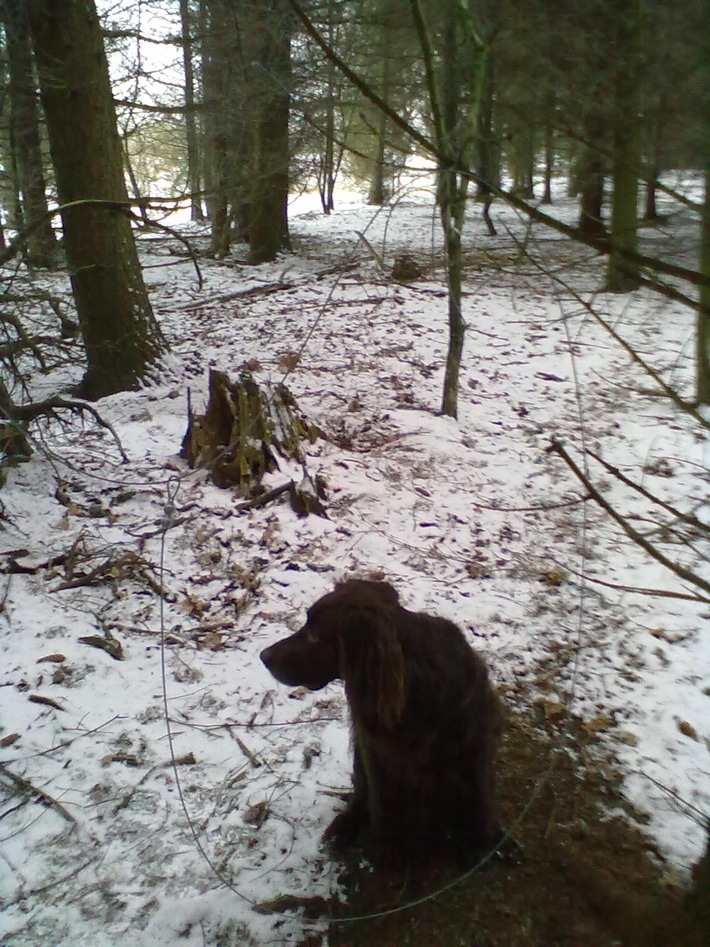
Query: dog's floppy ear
[372, 664]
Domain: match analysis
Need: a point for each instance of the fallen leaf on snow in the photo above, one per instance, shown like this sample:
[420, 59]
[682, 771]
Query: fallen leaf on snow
[109, 645]
[687, 729]
[47, 701]
[598, 724]
[549, 709]
[630, 739]
[312, 907]
[257, 814]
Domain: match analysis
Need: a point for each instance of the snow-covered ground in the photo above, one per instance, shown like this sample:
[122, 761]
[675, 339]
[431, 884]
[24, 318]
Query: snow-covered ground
[473, 519]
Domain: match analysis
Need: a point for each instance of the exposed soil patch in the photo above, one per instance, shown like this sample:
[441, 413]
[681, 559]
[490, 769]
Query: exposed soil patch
[586, 875]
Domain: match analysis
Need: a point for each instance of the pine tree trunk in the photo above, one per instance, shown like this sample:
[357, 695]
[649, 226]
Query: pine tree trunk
[451, 194]
[653, 169]
[217, 65]
[488, 147]
[591, 195]
[329, 163]
[204, 115]
[452, 199]
[622, 273]
[268, 230]
[651, 212]
[455, 99]
[549, 148]
[376, 194]
[703, 327]
[326, 178]
[462, 81]
[130, 171]
[193, 152]
[25, 133]
[121, 337]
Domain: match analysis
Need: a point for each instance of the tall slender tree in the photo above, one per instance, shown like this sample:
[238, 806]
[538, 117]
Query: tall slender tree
[703, 329]
[377, 193]
[121, 336]
[622, 273]
[455, 90]
[219, 64]
[191, 136]
[702, 360]
[270, 21]
[25, 134]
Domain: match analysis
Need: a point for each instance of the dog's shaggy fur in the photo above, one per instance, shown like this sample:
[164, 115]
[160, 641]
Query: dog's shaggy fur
[425, 722]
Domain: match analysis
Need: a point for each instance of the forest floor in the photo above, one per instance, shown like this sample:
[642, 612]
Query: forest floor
[117, 619]
[585, 872]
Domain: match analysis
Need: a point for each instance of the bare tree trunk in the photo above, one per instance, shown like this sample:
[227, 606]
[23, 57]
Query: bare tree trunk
[24, 119]
[268, 231]
[590, 181]
[193, 151]
[204, 123]
[622, 274]
[132, 176]
[549, 146]
[702, 383]
[377, 194]
[217, 75]
[455, 99]
[524, 163]
[488, 147]
[653, 160]
[651, 212]
[326, 179]
[329, 162]
[452, 204]
[121, 337]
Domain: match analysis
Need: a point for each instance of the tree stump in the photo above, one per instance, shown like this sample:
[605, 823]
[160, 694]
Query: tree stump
[243, 429]
[406, 269]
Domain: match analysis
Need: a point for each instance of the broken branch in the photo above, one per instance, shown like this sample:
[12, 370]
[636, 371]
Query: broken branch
[681, 571]
[25, 787]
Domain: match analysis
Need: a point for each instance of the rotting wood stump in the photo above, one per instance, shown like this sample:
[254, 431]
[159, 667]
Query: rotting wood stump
[244, 428]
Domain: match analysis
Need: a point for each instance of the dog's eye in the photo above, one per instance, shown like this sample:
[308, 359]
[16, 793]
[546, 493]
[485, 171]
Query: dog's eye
[311, 636]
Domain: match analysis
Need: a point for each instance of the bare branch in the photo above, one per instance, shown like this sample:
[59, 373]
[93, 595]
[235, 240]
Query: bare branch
[688, 518]
[25, 787]
[687, 575]
[29, 412]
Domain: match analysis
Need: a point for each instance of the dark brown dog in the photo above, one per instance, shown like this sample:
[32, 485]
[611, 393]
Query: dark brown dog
[425, 722]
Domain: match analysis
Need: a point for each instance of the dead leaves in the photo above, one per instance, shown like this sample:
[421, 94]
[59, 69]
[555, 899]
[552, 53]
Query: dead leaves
[687, 729]
[45, 701]
[128, 759]
[109, 644]
[257, 814]
[211, 641]
[118, 565]
[554, 576]
[553, 711]
[312, 907]
[598, 724]
[549, 710]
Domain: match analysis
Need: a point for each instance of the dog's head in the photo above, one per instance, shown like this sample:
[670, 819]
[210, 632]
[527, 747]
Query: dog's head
[350, 633]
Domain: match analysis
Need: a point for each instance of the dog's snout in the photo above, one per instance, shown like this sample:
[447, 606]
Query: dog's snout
[266, 656]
